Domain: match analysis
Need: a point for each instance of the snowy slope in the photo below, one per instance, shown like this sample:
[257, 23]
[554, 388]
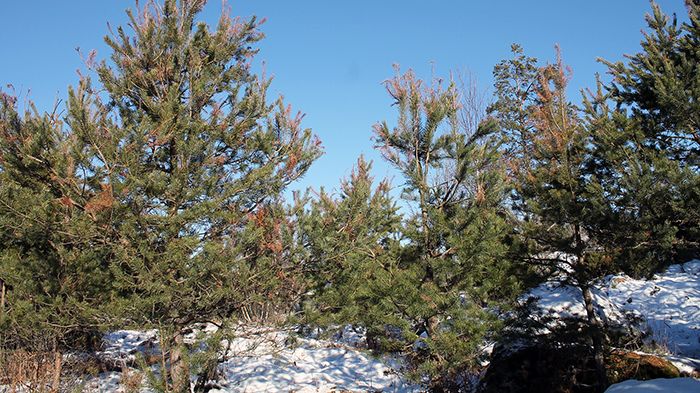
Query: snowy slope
[668, 305]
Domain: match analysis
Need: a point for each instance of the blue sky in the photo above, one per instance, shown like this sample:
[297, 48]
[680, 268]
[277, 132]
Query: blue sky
[330, 57]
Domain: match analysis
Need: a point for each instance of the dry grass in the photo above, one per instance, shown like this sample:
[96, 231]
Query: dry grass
[45, 371]
[131, 380]
[25, 371]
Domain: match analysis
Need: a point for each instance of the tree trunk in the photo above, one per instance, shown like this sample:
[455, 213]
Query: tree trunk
[371, 340]
[2, 297]
[596, 335]
[57, 366]
[179, 369]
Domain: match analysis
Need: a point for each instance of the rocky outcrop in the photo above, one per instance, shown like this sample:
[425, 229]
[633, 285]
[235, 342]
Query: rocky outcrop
[541, 367]
[624, 365]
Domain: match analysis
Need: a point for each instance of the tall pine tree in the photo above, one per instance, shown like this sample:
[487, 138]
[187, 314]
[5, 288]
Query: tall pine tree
[649, 112]
[176, 162]
[436, 293]
[560, 205]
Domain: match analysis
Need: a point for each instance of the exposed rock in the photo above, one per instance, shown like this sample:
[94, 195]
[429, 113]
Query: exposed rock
[623, 365]
[540, 367]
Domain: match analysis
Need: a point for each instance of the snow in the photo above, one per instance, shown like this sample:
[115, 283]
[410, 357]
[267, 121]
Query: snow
[123, 345]
[273, 360]
[276, 360]
[311, 368]
[677, 385]
[667, 305]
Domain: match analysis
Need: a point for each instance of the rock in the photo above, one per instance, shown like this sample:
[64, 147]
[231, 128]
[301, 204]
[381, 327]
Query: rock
[543, 367]
[624, 365]
[539, 367]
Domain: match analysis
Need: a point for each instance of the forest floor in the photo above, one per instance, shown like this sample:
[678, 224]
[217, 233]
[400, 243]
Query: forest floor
[665, 307]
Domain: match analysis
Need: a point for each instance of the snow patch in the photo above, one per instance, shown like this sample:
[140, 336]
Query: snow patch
[677, 385]
[272, 360]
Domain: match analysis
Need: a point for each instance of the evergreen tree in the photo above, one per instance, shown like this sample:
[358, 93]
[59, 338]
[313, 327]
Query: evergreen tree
[175, 165]
[348, 239]
[271, 243]
[560, 204]
[614, 189]
[54, 256]
[435, 284]
[452, 268]
[659, 86]
[648, 144]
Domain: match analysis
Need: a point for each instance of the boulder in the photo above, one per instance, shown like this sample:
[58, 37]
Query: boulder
[543, 367]
[624, 365]
[538, 367]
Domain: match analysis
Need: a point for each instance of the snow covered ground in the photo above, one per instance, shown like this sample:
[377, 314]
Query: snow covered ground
[667, 305]
[677, 385]
[270, 360]
[273, 360]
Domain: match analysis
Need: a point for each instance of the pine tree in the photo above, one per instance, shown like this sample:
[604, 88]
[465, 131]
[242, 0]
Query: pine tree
[55, 257]
[429, 284]
[349, 238]
[450, 274]
[655, 123]
[175, 163]
[659, 86]
[560, 204]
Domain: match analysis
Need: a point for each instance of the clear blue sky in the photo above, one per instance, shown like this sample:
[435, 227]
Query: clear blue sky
[330, 57]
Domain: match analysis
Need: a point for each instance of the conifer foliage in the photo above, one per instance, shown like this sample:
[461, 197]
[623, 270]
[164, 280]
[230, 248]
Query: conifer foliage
[347, 238]
[53, 254]
[611, 186]
[647, 134]
[172, 162]
[155, 200]
[558, 203]
[428, 283]
[451, 276]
